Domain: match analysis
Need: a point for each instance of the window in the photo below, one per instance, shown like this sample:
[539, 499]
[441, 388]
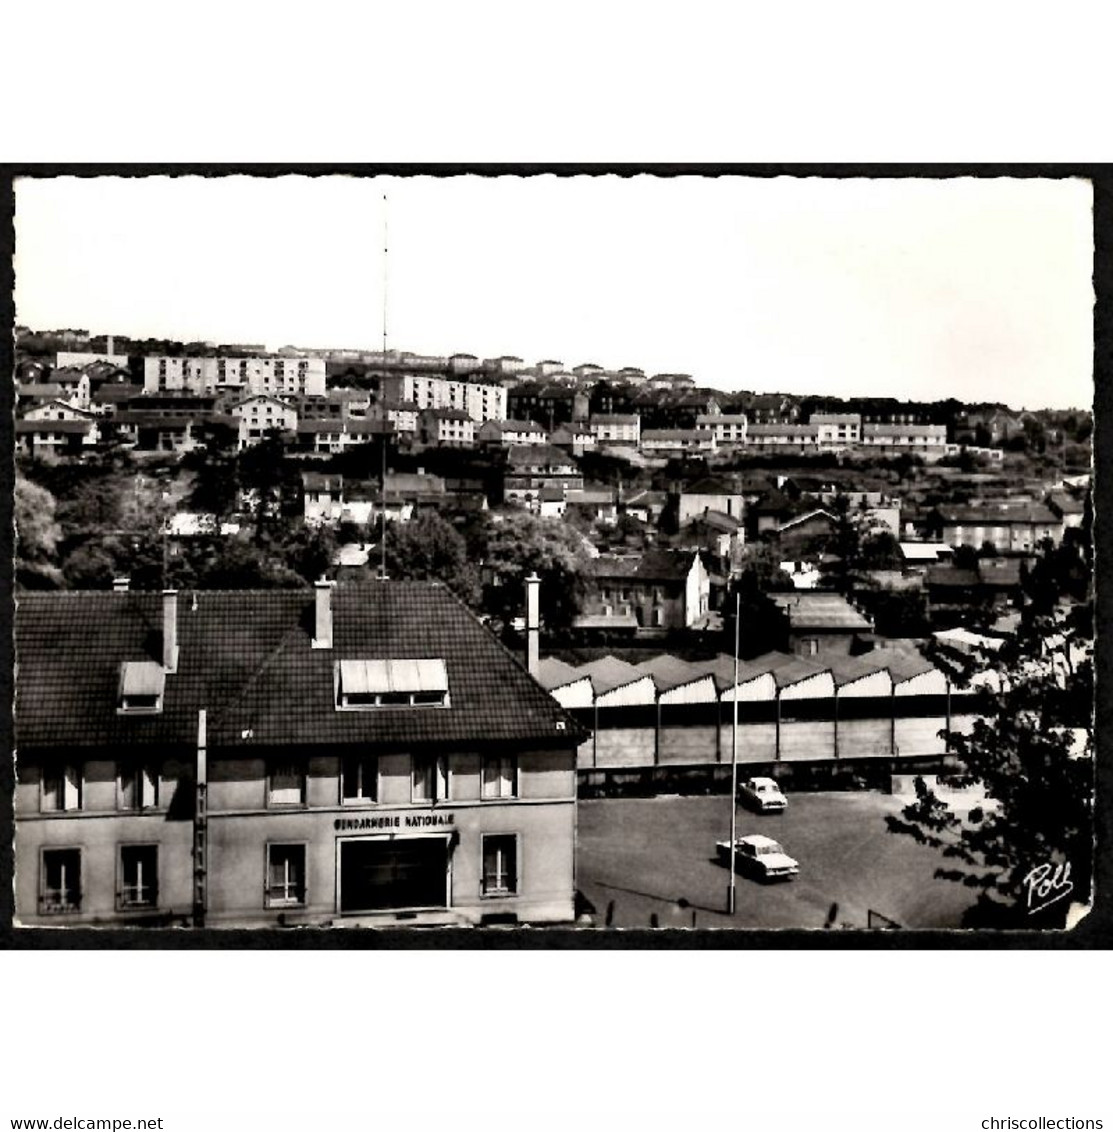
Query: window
[359, 779]
[60, 881]
[61, 788]
[142, 682]
[138, 786]
[362, 684]
[138, 876]
[430, 778]
[287, 785]
[500, 864]
[285, 876]
[500, 777]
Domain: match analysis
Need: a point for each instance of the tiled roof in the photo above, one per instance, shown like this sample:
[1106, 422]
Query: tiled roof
[820, 611]
[75, 427]
[445, 414]
[537, 454]
[246, 657]
[653, 565]
[709, 485]
[952, 576]
[45, 391]
[990, 515]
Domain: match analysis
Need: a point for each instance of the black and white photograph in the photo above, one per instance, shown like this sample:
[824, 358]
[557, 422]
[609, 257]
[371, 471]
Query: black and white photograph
[584, 554]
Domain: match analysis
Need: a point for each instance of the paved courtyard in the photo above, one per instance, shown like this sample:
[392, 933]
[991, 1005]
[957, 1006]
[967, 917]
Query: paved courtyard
[644, 858]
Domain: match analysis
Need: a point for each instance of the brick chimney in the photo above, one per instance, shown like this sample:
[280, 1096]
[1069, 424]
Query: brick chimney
[533, 624]
[170, 630]
[322, 624]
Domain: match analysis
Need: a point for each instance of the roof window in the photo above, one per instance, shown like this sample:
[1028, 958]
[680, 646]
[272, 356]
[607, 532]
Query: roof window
[142, 684]
[375, 684]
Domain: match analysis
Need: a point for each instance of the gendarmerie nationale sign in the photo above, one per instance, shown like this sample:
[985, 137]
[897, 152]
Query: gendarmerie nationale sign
[388, 822]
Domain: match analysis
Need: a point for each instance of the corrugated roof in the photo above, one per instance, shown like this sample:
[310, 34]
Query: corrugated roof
[671, 672]
[246, 657]
[609, 673]
[554, 673]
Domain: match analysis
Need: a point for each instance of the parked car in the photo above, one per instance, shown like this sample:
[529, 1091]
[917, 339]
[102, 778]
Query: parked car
[762, 794]
[758, 856]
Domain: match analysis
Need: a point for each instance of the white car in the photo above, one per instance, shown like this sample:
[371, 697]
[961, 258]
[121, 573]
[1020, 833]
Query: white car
[762, 794]
[759, 856]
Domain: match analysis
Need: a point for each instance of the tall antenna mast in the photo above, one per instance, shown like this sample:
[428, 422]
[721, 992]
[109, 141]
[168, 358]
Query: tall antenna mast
[386, 248]
[382, 435]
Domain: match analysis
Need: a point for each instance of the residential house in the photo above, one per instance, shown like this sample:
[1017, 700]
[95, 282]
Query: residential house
[322, 498]
[505, 433]
[356, 755]
[645, 505]
[57, 437]
[676, 441]
[835, 431]
[155, 430]
[927, 441]
[446, 428]
[722, 537]
[729, 429]
[783, 437]
[593, 503]
[74, 386]
[663, 589]
[821, 623]
[616, 428]
[262, 415]
[407, 492]
[1008, 527]
[710, 493]
[1068, 508]
[333, 437]
[401, 415]
[576, 437]
[530, 468]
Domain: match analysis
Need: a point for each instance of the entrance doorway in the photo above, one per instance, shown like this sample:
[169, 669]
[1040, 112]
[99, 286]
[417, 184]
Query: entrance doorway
[404, 872]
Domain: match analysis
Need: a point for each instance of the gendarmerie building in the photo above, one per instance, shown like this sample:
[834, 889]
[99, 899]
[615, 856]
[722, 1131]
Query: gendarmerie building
[358, 755]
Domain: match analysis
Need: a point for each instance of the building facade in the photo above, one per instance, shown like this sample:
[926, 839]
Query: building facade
[479, 400]
[367, 755]
[285, 376]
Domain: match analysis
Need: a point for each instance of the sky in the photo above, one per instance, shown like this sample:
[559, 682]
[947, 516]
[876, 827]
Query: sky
[976, 288]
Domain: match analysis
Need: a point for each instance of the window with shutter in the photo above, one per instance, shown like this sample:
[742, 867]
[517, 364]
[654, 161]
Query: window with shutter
[287, 785]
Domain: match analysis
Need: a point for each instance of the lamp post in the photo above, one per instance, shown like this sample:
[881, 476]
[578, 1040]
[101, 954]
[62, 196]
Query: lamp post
[734, 754]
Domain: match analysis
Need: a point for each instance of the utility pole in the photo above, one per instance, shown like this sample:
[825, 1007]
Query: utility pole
[382, 439]
[734, 753]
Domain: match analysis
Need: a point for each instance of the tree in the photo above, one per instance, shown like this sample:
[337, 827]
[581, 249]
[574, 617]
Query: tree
[214, 488]
[519, 544]
[38, 535]
[270, 483]
[1036, 824]
[427, 548]
[764, 626]
[307, 550]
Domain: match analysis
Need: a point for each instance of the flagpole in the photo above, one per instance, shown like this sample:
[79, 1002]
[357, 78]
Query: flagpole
[734, 754]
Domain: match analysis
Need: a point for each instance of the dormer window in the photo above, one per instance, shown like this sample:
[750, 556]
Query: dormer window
[142, 684]
[363, 685]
